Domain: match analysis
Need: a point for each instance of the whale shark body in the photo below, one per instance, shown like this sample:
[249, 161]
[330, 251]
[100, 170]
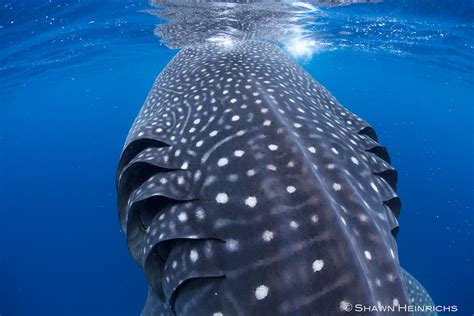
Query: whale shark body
[245, 188]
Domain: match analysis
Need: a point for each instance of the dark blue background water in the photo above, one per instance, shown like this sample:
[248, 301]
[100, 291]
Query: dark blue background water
[73, 75]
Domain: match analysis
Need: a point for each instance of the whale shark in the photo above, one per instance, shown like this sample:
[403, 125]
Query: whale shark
[246, 188]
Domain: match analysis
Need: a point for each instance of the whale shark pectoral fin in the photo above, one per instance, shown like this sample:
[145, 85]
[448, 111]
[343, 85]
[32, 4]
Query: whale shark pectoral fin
[155, 305]
[417, 294]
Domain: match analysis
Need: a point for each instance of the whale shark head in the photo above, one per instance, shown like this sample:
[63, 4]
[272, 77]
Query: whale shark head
[245, 188]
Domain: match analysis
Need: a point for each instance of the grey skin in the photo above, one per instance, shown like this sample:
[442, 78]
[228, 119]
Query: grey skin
[245, 188]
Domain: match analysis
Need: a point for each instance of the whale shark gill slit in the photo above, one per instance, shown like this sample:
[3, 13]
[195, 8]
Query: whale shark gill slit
[134, 148]
[370, 132]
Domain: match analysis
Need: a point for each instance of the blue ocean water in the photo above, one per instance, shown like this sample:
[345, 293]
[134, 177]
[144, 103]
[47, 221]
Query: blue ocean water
[73, 75]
